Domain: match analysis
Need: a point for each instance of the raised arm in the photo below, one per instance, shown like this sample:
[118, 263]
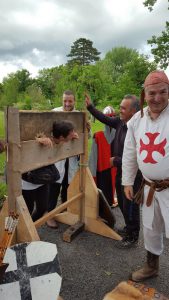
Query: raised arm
[110, 121]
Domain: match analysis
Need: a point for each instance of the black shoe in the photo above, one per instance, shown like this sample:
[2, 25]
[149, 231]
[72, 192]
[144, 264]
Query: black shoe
[126, 243]
[123, 231]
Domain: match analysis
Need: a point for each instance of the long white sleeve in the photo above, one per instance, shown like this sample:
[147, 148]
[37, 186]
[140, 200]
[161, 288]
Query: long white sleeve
[129, 159]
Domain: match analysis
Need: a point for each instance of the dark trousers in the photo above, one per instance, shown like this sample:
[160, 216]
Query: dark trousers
[65, 184]
[129, 209]
[59, 188]
[54, 191]
[39, 197]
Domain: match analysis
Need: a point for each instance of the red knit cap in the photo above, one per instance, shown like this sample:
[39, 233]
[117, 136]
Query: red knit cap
[156, 77]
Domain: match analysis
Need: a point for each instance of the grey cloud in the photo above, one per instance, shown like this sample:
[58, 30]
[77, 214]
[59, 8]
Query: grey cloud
[54, 35]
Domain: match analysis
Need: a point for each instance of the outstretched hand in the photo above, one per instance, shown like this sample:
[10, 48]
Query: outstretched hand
[46, 141]
[87, 100]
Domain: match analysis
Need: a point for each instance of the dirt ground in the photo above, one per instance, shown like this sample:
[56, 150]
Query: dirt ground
[92, 265]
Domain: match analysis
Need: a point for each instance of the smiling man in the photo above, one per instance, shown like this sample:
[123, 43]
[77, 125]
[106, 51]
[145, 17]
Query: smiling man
[128, 107]
[68, 102]
[147, 148]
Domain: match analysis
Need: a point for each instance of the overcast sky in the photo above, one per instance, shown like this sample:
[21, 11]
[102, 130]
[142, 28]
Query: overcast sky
[37, 34]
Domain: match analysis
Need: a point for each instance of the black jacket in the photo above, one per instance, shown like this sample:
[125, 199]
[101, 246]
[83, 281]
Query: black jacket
[121, 131]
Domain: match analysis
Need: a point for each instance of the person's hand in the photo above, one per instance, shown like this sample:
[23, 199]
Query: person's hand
[87, 100]
[45, 141]
[75, 135]
[111, 161]
[128, 190]
[2, 146]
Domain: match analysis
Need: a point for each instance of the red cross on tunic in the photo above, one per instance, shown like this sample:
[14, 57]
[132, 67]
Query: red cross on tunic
[151, 147]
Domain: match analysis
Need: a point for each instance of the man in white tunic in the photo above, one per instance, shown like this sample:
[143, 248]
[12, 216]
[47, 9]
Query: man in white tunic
[147, 148]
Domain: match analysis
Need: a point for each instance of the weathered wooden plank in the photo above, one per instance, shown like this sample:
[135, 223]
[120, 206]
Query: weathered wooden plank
[12, 125]
[98, 227]
[33, 122]
[73, 231]
[57, 210]
[13, 157]
[66, 218]
[33, 155]
[26, 231]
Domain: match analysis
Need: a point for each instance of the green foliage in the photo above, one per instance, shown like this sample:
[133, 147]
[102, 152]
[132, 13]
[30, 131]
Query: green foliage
[2, 164]
[1, 124]
[83, 53]
[10, 91]
[24, 80]
[3, 191]
[149, 4]
[160, 44]
[115, 61]
[47, 81]
[132, 79]
[161, 50]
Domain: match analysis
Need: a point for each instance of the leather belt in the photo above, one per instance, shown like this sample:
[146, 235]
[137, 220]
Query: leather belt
[155, 185]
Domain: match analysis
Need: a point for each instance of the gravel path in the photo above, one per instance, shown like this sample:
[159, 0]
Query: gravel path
[92, 265]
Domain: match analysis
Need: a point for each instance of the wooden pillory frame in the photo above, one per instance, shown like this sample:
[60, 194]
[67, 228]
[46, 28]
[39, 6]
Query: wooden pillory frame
[24, 154]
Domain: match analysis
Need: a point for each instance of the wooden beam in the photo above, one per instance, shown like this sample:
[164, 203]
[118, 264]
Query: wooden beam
[67, 218]
[73, 231]
[33, 155]
[26, 231]
[32, 122]
[57, 210]
[13, 157]
[83, 165]
[99, 227]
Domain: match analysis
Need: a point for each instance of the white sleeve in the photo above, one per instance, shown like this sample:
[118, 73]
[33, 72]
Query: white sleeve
[129, 160]
[93, 158]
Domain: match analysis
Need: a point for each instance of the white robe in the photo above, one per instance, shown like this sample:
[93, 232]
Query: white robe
[147, 148]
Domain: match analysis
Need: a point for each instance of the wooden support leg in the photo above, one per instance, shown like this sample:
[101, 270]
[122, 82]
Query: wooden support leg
[3, 214]
[73, 231]
[93, 222]
[26, 231]
[99, 227]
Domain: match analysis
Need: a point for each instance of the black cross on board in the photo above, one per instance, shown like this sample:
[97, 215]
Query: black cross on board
[23, 274]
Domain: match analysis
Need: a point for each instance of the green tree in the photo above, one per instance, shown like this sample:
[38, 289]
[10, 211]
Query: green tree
[160, 44]
[149, 4]
[83, 53]
[161, 48]
[38, 101]
[10, 90]
[24, 80]
[47, 80]
[132, 78]
[94, 82]
[115, 60]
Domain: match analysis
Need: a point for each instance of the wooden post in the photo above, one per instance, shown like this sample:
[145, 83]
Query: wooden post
[13, 157]
[83, 166]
